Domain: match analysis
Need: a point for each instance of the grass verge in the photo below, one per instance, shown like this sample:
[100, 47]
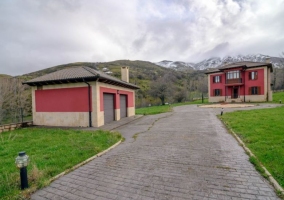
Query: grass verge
[277, 96]
[164, 108]
[262, 132]
[51, 152]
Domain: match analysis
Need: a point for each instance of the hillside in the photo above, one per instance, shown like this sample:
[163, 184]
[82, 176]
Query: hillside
[185, 80]
[54, 69]
[142, 73]
[138, 68]
[5, 76]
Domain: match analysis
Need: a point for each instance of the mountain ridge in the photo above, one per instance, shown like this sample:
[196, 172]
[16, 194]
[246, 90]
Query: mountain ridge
[215, 62]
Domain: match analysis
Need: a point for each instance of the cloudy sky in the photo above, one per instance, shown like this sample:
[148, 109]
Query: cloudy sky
[37, 34]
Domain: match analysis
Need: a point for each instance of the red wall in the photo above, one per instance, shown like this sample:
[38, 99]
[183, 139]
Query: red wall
[255, 83]
[220, 85]
[248, 83]
[62, 100]
[130, 99]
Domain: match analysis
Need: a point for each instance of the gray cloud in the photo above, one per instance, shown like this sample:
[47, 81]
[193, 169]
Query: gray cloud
[40, 34]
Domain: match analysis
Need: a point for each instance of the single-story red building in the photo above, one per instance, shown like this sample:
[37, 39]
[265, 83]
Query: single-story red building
[240, 82]
[81, 96]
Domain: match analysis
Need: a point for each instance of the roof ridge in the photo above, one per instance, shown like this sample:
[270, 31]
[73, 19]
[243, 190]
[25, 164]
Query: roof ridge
[90, 70]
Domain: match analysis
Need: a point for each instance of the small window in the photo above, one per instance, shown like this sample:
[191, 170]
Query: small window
[254, 90]
[217, 79]
[217, 92]
[253, 76]
[39, 87]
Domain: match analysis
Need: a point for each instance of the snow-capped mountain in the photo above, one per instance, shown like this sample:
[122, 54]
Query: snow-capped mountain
[178, 65]
[217, 61]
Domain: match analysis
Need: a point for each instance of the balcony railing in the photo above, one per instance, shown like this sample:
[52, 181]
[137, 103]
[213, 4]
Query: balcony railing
[233, 81]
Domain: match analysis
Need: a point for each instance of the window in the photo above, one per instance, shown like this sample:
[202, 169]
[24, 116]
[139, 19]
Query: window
[217, 79]
[254, 90]
[39, 87]
[217, 92]
[233, 74]
[252, 75]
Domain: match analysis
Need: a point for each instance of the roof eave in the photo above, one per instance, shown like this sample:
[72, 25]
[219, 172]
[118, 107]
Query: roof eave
[240, 66]
[61, 81]
[117, 83]
[212, 72]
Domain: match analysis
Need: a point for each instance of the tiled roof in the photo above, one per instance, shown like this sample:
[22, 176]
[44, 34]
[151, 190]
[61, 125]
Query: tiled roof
[78, 74]
[244, 64]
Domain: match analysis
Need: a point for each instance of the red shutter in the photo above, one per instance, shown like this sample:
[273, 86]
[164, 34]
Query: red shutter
[256, 75]
[220, 92]
[258, 90]
[249, 75]
[213, 79]
[220, 79]
[250, 90]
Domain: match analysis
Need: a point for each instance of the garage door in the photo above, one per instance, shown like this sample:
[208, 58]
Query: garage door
[108, 108]
[123, 110]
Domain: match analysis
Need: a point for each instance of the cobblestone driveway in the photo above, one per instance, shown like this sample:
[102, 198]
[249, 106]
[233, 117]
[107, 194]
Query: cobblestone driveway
[186, 154]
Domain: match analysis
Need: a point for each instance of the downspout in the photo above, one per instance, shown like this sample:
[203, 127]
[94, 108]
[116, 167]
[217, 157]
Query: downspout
[244, 86]
[89, 99]
[225, 93]
[225, 86]
[89, 102]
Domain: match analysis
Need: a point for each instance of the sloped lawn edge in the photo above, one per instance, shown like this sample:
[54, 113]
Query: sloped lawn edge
[259, 167]
[80, 164]
[84, 162]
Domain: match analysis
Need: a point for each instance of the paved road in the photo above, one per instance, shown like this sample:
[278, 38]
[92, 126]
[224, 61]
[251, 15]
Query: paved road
[186, 154]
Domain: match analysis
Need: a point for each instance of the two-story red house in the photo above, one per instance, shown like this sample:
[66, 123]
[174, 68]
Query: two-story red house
[240, 82]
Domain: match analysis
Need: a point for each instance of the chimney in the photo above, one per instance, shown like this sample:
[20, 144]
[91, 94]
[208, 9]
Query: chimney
[125, 74]
[267, 60]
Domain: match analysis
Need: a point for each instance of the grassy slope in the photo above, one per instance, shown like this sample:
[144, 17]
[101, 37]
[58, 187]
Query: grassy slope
[5, 76]
[262, 132]
[51, 152]
[278, 96]
[143, 68]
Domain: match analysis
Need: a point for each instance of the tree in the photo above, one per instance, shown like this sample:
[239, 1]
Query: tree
[162, 88]
[282, 69]
[13, 96]
[180, 95]
[278, 74]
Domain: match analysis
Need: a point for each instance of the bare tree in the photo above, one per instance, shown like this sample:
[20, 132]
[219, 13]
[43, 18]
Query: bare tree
[282, 69]
[13, 97]
[162, 88]
[180, 95]
[278, 74]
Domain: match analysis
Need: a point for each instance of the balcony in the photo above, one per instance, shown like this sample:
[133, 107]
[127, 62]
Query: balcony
[235, 81]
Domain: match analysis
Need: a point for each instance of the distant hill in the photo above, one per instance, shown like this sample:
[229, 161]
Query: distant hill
[5, 76]
[141, 73]
[139, 70]
[54, 69]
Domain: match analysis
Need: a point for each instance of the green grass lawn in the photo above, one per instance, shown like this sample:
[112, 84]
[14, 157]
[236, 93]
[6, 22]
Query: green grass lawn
[51, 152]
[263, 133]
[278, 96]
[152, 110]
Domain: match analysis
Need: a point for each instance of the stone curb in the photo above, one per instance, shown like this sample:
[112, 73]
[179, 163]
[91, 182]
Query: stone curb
[84, 162]
[138, 117]
[270, 177]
